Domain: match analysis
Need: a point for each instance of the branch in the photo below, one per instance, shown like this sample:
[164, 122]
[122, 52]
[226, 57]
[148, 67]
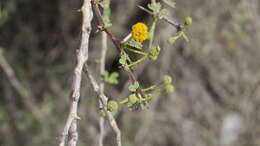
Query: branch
[173, 23]
[117, 44]
[103, 100]
[22, 91]
[70, 128]
[102, 86]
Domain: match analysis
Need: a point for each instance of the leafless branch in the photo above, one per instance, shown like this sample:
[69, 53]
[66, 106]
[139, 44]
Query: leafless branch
[70, 128]
[103, 99]
[102, 86]
[22, 91]
[173, 23]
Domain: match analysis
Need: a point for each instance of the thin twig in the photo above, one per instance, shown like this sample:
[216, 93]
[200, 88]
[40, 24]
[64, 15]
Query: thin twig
[103, 99]
[127, 38]
[173, 23]
[22, 91]
[70, 128]
[152, 29]
[102, 86]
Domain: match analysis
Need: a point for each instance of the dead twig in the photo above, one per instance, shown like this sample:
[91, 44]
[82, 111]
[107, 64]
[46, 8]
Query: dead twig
[70, 128]
[103, 100]
[21, 90]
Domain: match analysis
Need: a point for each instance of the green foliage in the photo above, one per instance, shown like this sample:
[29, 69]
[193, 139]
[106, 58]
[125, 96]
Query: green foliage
[170, 3]
[135, 44]
[123, 58]
[111, 78]
[106, 12]
[155, 7]
[164, 12]
[134, 86]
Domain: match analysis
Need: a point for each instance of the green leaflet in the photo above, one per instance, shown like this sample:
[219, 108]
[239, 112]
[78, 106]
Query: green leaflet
[134, 86]
[111, 78]
[155, 7]
[134, 44]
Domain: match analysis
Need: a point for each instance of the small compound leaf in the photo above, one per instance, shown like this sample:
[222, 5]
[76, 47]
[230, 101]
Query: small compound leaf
[164, 12]
[123, 58]
[155, 7]
[134, 44]
[112, 78]
[134, 86]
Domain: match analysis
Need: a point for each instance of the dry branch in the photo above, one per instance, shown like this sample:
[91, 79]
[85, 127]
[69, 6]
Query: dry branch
[22, 91]
[103, 99]
[70, 128]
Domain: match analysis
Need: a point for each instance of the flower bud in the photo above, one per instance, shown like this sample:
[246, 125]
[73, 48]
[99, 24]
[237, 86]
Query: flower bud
[169, 88]
[167, 80]
[132, 99]
[112, 106]
[187, 21]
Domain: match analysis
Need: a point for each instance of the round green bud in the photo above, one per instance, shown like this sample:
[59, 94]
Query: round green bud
[187, 21]
[132, 99]
[167, 80]
[153, 54]
[169, 88]
[112, 106]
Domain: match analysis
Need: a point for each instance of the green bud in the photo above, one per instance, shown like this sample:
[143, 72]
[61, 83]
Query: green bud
[188, 21]
[132, 99]
[155, 51]
[169, 88]
[167, 80]
[112, 106]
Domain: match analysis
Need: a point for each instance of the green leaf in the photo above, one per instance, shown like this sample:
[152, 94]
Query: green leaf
[134, 86]
[106, 12]
[134, 44]
[155, 7]
[170, 3]
[107, 25]
[123, 58]
[164, 12]
[112, 78]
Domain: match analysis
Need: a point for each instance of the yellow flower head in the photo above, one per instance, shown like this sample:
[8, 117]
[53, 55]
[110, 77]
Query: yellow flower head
[139, 32]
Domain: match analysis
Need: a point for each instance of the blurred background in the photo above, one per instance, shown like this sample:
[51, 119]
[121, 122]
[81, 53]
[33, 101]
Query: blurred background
[216, 75]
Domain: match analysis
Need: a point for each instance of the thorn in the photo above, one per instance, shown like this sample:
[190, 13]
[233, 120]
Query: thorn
[77, 117]
[96, 31]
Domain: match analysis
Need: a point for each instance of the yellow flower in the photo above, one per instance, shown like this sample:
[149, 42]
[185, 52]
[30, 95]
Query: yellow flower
[139, 32]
